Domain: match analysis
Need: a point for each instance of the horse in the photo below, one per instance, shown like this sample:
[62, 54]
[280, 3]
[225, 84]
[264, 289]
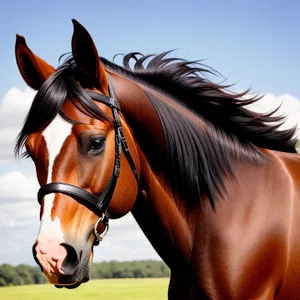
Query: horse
[214, 186]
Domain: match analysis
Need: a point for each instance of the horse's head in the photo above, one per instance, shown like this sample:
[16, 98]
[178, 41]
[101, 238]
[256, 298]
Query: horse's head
[76, 144]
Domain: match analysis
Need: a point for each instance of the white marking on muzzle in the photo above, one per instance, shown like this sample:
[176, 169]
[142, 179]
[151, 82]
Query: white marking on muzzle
[55, 135]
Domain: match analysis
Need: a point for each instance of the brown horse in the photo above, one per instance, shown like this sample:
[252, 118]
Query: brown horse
[214, 186]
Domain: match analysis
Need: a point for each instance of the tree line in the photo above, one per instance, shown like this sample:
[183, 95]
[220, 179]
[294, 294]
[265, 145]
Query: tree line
[25, 274]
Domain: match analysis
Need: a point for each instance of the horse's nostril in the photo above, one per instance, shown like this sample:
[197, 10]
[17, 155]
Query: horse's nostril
[71, 261]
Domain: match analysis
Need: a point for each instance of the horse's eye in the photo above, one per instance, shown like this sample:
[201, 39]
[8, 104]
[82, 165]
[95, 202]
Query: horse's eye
[97, 145]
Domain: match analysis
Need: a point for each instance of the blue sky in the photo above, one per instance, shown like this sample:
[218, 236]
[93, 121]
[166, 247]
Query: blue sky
[252, 43]
[255, 43]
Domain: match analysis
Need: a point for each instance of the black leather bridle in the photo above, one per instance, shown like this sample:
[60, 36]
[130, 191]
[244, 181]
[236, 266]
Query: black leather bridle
[98, 203]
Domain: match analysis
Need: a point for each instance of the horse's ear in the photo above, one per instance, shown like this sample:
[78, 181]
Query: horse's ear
[86, 57]
[33, 69]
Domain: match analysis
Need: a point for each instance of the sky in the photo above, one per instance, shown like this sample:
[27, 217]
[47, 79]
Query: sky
[253, 44]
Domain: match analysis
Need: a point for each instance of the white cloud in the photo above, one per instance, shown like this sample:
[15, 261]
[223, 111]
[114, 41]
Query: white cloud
[124, 241]
[289, 107]
[15, 185]
[15, 105]
[17, 214]
[13, 109]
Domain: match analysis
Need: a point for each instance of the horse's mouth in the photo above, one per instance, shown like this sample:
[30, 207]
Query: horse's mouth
[75, 275]
[75, 280]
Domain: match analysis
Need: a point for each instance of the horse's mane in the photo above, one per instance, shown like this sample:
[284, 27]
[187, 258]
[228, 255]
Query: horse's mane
[197, 159]
[187, 83]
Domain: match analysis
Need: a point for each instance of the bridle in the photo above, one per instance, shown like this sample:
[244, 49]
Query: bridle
[98, 203]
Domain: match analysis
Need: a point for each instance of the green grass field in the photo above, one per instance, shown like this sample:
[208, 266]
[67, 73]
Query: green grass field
[111, 289]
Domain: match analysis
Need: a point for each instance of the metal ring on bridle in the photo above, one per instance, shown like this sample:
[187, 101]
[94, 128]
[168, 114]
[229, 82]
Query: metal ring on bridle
[99, 237]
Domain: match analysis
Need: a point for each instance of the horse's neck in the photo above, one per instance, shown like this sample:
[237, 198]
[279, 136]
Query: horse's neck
[165, 223]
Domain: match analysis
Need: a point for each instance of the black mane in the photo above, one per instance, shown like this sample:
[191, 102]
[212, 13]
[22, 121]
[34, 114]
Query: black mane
[197, 159]
[186, 82]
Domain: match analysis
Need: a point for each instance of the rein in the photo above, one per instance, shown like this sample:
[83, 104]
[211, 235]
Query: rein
[98, 203]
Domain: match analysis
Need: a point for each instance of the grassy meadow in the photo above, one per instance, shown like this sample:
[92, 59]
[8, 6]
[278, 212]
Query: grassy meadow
[112, 289]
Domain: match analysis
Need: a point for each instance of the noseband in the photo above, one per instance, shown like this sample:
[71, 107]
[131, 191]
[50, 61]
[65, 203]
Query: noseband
[98, 203]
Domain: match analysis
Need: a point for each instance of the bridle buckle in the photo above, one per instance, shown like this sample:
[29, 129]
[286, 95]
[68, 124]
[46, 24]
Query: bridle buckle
[105, 220]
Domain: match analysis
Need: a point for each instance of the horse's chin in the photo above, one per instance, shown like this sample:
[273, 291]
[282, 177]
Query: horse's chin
[70, 287]
[75, 285]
